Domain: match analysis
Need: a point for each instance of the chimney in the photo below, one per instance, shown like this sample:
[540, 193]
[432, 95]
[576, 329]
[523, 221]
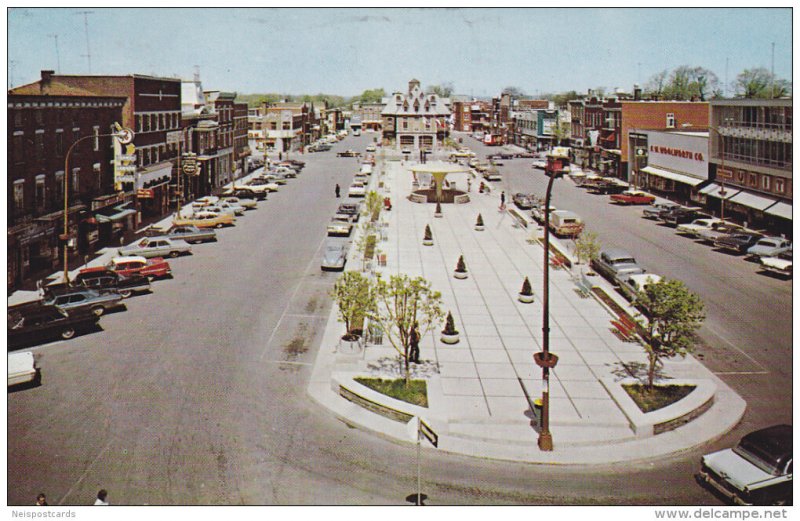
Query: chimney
[591, 94]
[637, 92]
[411, 84]
[44, 84]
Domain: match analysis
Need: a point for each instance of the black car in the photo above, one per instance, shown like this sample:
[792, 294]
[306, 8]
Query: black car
[737, 242]
[680, 215]
[32, 324]
[103, 280]
[245, 193]
[350, 210]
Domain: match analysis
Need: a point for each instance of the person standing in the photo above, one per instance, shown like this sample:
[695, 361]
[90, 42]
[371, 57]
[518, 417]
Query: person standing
[413, 352]
[337, 190]
[102, 496]
[41, 500]
[502, 201]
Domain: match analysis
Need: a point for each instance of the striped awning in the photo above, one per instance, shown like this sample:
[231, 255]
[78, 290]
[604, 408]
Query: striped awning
[681, 178]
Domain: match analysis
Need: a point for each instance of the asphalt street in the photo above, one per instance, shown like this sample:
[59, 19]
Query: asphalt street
[196, 394]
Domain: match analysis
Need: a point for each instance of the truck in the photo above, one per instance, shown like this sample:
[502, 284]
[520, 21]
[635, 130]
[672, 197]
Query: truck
[564, 223]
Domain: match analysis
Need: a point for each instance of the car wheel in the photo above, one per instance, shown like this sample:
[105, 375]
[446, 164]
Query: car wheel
[125, 293]
[219, 225]
[98, 311]
[67, 333]
[174, 254]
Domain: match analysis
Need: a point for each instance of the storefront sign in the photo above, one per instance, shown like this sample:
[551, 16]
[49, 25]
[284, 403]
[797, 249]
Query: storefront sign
[676, 152]
[145, 193]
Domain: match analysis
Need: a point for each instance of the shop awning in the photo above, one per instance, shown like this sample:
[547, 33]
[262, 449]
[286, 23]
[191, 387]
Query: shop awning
[714, 189]
[751, 200]
[681, 178]
[780, 209]
[114, 213]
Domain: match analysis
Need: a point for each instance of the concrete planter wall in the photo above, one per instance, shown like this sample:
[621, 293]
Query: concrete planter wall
[460, 274]
[449, 339]
[525, 299]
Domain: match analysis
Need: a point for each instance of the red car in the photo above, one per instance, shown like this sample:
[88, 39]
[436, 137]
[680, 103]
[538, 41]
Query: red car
[633, 197]
[155, 268]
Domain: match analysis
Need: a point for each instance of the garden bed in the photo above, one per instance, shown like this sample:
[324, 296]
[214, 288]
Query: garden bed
[416, 393]
[657, 397]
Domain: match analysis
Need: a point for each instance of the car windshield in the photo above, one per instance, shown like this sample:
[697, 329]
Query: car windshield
[767, 242]
[762, 455]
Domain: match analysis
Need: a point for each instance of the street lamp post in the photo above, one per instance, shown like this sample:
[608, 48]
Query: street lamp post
[125, 136]
[545, 359]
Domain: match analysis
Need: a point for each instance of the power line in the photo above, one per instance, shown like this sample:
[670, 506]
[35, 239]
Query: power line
[86, 29]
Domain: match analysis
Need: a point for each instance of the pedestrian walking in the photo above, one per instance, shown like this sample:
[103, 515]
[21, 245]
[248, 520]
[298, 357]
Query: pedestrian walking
[469, 184]
[337, 190]
[413, 352]
[502, 201]
[41, 500]
[102, 498]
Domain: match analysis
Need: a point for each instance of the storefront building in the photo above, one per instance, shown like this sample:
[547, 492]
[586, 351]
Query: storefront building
[415, 120]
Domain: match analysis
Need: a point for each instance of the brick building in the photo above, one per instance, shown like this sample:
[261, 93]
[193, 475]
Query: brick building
[414, 119]
[241, 146]
[41, 130]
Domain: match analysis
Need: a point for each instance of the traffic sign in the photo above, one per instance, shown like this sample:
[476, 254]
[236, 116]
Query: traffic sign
[429, 433]
[125, 136]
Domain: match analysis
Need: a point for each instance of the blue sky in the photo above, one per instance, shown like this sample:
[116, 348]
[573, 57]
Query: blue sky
[347, 50]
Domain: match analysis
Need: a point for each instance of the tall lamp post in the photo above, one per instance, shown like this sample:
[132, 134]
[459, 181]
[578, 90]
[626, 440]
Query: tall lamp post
[124, 136]
[545, 359]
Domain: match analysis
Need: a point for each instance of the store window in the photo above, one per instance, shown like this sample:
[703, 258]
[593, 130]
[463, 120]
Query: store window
[39, 194]
[670, 120]
[780, 186]
[19, 194]
[766, 182]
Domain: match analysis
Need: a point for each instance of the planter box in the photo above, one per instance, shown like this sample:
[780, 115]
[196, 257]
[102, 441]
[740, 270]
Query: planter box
[460, 274]
[525, 299]
[427, 243]
[449, 339]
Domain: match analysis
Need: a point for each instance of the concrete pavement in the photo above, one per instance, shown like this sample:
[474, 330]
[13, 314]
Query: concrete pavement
[481, 389]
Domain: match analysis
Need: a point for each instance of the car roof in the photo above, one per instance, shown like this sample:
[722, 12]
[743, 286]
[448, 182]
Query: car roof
[615, 253]
[775, 440]
[128, 258]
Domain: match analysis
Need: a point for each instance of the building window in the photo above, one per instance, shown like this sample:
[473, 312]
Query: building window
[39, 116]
[59, 187]
[38, 142]
[153, 122]
[766, 182]
[753, 180]
[18, 148]
[138, 123]
[96, 140]
[76, 177]
[18, 118]
[40, 192]
[76, 135]
[59, 143]
[19, 194]
[145, 123]
[670, 120]
[780, 186]
[98, 175]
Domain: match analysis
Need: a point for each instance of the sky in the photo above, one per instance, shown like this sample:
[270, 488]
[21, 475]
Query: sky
[345, 51]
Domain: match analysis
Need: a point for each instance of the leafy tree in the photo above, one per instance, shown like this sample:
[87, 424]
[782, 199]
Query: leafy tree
[561, 130]
[760, 83]
[686, 82]
[373, 203]
[561, 99]
[352, 293]
[515, 92]
[674, 315]
[656, 84]
[587, 247]
[372, 95]
[443, 90]
[401, 302]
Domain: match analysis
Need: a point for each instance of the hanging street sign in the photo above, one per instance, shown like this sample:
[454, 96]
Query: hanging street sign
[125, 136]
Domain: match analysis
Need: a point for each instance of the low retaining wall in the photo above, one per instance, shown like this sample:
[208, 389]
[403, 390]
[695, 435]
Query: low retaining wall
[345, 386]
[668, 418]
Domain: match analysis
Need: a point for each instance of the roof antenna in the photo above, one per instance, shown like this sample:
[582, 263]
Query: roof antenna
[86, 29]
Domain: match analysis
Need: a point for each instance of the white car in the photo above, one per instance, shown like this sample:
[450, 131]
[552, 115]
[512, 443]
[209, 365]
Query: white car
[23, 368]
[205, 201]
[539, 163]
[370, 148]
[632, 284]
[357, 190]
[151, 247]
[244, 203]
[780, 265]
[769, 247]
[693, 228]
[220, 208]
[340, 225]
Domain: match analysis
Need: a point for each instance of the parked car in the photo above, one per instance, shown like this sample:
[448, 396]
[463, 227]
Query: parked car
[349, 210]
[263, 184]
[80, 299]
[717, 230]
[737, 242]
[678, 216]
[757, 471]
[370, 148]
[323, 147]
[23, 370]
[245, 193]
[156, 247]
[152, 268]
[630, 285]
[538, 213]
[35, 323]
[246, 204]
[769, 247]
[357, 190]
[205, 201]
[492, 174]
[564, 223]
[780, 265]
[633, 197]
[524, 201]
[539, 163]
[693, 228]
[188, 233]
[340, 225]
[334, 256]
[206, 219]
[607, 186]
[615, 264]
[103, 279]
[348, 153]
[653, 211]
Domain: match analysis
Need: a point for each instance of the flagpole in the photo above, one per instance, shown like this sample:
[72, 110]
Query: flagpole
[419, 479]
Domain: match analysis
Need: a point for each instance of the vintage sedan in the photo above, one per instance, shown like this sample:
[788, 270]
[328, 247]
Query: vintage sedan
[103, 279]
[246, 203]
[32, 324]
[632, 197]
[769, 247]
[205, 201]
[737, 242]
[615, 265]
[150, 247]
[340, 226]
[655, 210]
[263, 184]
[348, 153]
[718, 230]
[349, 210]
[334, 256]
[206, 219]
[678, 216]
[84, 299]
[370, 148]
[188, 233]
[780, 265]
[357, 190]
[245, 193]
[23, 370]
[693, 228]
[524, 201]
[152, 268]
[630, 285]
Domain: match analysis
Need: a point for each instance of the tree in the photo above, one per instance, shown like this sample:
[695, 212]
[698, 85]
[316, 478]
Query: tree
[443, 90]
[656, 84]
[373, 203]
[353, 294]
[372, 96]
[561, 99]
[401, 302]
[561, 130]
[587, 247]
[760, 83]
[674, 315]
[515, 92]
[686, 82]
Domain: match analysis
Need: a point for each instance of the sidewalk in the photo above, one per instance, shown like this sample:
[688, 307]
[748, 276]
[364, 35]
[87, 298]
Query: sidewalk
[480, 389]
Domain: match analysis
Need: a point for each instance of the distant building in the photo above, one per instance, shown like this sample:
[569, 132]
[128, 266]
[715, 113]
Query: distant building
[414, 119]
[368, 115]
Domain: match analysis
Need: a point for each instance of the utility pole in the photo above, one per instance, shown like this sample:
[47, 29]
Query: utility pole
[58, 55]
[86, 29]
